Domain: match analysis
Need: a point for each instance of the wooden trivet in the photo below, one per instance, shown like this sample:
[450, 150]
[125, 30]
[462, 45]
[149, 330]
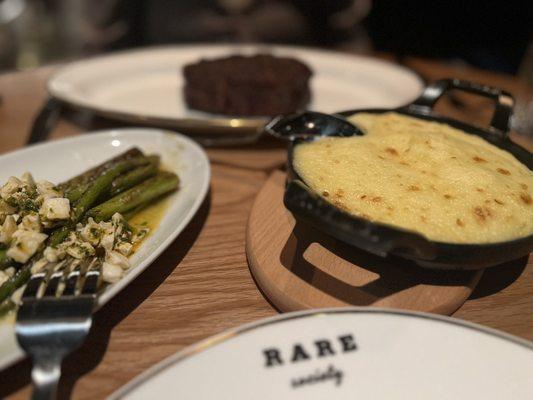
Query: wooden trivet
[298, 267]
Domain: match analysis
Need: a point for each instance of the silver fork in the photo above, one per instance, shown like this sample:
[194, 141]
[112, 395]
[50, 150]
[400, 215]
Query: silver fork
[54, 320]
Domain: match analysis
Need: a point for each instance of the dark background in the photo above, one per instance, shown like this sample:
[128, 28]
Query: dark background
[494, 35]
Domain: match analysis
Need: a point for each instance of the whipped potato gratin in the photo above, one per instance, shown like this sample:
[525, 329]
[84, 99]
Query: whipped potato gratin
[422, 176]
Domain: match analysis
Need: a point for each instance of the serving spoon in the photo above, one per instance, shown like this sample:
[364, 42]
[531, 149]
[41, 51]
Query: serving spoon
[307, 124]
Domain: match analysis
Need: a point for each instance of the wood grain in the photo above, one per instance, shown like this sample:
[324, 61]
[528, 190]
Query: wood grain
[299, 268]
[201, 284]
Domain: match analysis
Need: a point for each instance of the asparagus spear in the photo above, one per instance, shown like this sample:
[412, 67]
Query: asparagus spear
[107, 172]
[139, 195]
[132, 178]
[99, 186]
[74, 193]
[5, 261]
[59, 235]
[92, 173]
[13, 283]
[126, 202]
[145, 192]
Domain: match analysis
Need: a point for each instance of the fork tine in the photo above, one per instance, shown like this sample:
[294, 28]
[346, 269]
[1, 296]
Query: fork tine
[50, 327]
[53, 283]
[72, 282]
[90, 286]
[74, 264]
[57, 274]
[33, 286]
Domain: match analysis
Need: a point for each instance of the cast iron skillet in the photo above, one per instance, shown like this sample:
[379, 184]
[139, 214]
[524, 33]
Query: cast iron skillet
[383, 239]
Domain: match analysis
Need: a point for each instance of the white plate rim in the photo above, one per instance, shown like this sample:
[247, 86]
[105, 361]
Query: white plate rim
[114, 289]
[280, 318]
[55, 90]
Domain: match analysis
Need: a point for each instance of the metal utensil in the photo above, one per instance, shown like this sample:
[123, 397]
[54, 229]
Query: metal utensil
[45, 121]
[55, 317]
[53, 110]
[310, 124]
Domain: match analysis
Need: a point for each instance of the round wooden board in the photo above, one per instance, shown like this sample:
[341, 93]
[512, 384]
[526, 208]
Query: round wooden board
[298, 267]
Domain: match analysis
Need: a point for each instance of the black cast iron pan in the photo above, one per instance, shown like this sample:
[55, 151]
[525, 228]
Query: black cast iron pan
[383, 239]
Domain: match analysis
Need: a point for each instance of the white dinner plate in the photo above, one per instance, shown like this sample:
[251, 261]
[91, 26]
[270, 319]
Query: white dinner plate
[146, 85]
[57, 161]
[352, 353]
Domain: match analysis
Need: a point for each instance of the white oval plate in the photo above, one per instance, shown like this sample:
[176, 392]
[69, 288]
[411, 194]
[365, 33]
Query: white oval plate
[146, 85]
[57, 161]
[378, 354]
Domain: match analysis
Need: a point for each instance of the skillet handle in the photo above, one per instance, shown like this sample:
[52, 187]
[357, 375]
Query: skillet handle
[503, 101]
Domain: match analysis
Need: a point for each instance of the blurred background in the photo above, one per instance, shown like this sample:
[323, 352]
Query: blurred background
[493, 35]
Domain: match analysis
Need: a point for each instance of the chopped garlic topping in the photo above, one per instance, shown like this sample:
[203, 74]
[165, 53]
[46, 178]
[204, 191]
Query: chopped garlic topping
[5, 210]
[92, 232]
[39, 265]
[76, 247]
[27, 208]
[52, 254]
[55, 208]
[124, 248]
[7, 230]
[11, 187]
[25, 244]
[3, 277]
[17, 295]
[27, 178]
[111, 273]
[108, 238]
[80, 250]
[115, 258]
[118, 222]
[140, 235]
[30, 222]
[47, 190]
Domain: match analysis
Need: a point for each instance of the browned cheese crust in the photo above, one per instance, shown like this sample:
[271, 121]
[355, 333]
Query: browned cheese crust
[422, 176]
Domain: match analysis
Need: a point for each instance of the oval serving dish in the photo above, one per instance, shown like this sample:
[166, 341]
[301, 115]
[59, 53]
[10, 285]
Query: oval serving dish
[59, 160]
[383, 239]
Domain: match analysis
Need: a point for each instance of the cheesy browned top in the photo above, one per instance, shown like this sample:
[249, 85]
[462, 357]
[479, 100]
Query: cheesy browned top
[422, 176]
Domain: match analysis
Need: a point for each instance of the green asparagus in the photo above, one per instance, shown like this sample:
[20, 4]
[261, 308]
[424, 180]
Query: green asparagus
[75, 192]
[92, 173]
[134, 182]
[134, 177]
[101, 185]
[59, 235]
[14, 282]
[145, 192]
[5, 261]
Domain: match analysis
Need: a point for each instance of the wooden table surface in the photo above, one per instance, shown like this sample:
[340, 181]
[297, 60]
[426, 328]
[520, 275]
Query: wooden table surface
[201, 284]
